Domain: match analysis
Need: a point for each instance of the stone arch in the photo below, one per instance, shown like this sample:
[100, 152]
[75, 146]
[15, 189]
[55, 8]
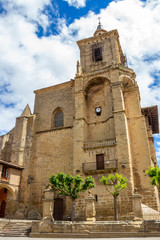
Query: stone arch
[126, 81]
[10, 189]
[98, 109]
[57, 118]
[94, 81]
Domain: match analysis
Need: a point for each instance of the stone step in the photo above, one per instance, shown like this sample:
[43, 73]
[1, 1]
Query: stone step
[13, 228]
[15, 235]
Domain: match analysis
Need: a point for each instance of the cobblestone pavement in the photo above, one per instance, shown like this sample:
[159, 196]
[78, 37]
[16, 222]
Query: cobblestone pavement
[27, 238]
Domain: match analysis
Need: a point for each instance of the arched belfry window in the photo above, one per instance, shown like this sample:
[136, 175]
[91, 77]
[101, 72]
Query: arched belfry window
[57, 118]
[96, 52]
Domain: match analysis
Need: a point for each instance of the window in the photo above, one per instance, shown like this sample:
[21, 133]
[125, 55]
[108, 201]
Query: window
[96, 53]
[58, 119]
[100, 161]
[4, 174]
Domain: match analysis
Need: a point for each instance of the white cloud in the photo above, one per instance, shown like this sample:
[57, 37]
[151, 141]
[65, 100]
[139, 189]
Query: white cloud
[76, 3]
[27, 8]
[28, 62]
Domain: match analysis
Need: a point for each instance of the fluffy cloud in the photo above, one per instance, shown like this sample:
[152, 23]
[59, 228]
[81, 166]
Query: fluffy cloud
[31, 9]
[26, 61]
[76, 3]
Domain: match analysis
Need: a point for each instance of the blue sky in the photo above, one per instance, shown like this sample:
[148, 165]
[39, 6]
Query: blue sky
[38, 46]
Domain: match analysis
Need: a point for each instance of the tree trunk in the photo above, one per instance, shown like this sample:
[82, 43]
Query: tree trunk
[115, 209]
[73, 209]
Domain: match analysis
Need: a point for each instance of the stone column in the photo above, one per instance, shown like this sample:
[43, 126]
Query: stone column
[45, 226]
[90, 208]
[48, 205]
[137, 207]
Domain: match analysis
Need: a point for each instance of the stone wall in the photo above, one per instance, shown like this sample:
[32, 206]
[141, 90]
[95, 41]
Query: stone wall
[141, 148]
[6, 146]
[96, 229]
[52, 153]
[48, 100]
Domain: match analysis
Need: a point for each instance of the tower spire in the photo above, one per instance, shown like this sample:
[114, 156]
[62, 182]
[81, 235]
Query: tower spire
[99, 24]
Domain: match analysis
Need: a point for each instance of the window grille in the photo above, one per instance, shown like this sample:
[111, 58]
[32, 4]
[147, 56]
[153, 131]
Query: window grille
[58, 119]
[96, 53]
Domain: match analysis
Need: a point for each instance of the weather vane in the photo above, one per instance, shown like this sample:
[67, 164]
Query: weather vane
[99, 24]
[99, 20]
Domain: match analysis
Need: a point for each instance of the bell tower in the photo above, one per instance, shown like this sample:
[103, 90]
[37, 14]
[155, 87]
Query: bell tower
[110, 133]
[101, 144]
[101, 50]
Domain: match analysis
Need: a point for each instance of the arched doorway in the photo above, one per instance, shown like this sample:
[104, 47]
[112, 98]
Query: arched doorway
[7, 193]
[58, 209]
[3, 199]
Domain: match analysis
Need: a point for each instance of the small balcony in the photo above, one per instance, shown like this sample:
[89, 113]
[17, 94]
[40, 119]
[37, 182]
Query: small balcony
[92, 167]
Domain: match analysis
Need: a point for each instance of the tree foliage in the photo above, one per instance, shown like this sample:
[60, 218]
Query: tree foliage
[118, 181]
[70, 186]
[154, 174]
[114, 184]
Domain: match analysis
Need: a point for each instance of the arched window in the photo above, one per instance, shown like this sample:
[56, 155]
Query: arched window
[96, 53]
[58, 119]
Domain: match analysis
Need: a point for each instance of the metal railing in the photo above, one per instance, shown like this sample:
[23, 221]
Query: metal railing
[92, 166]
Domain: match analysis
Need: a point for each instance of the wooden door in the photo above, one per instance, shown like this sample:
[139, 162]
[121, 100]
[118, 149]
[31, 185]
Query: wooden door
[2, 209]
[58, 209]
[100, 161]
[3, 199]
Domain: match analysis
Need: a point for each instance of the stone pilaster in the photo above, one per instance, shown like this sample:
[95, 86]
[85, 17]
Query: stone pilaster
[90, 208]
[48, 205]
[121, 127]
[79, 126]
[122, 140]
[137, 207]
[141, 147]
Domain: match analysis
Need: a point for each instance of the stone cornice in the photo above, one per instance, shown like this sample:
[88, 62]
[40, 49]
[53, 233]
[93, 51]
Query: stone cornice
[54, 87]
[99, 37]
[9, 164]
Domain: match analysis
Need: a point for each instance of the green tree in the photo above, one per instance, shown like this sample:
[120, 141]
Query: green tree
[154, 174]
[114, 184]
[70, 186]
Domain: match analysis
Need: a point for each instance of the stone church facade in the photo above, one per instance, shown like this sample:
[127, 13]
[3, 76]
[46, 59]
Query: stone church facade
[90, 125]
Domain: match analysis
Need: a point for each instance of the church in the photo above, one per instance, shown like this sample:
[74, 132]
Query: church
[92, 125]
